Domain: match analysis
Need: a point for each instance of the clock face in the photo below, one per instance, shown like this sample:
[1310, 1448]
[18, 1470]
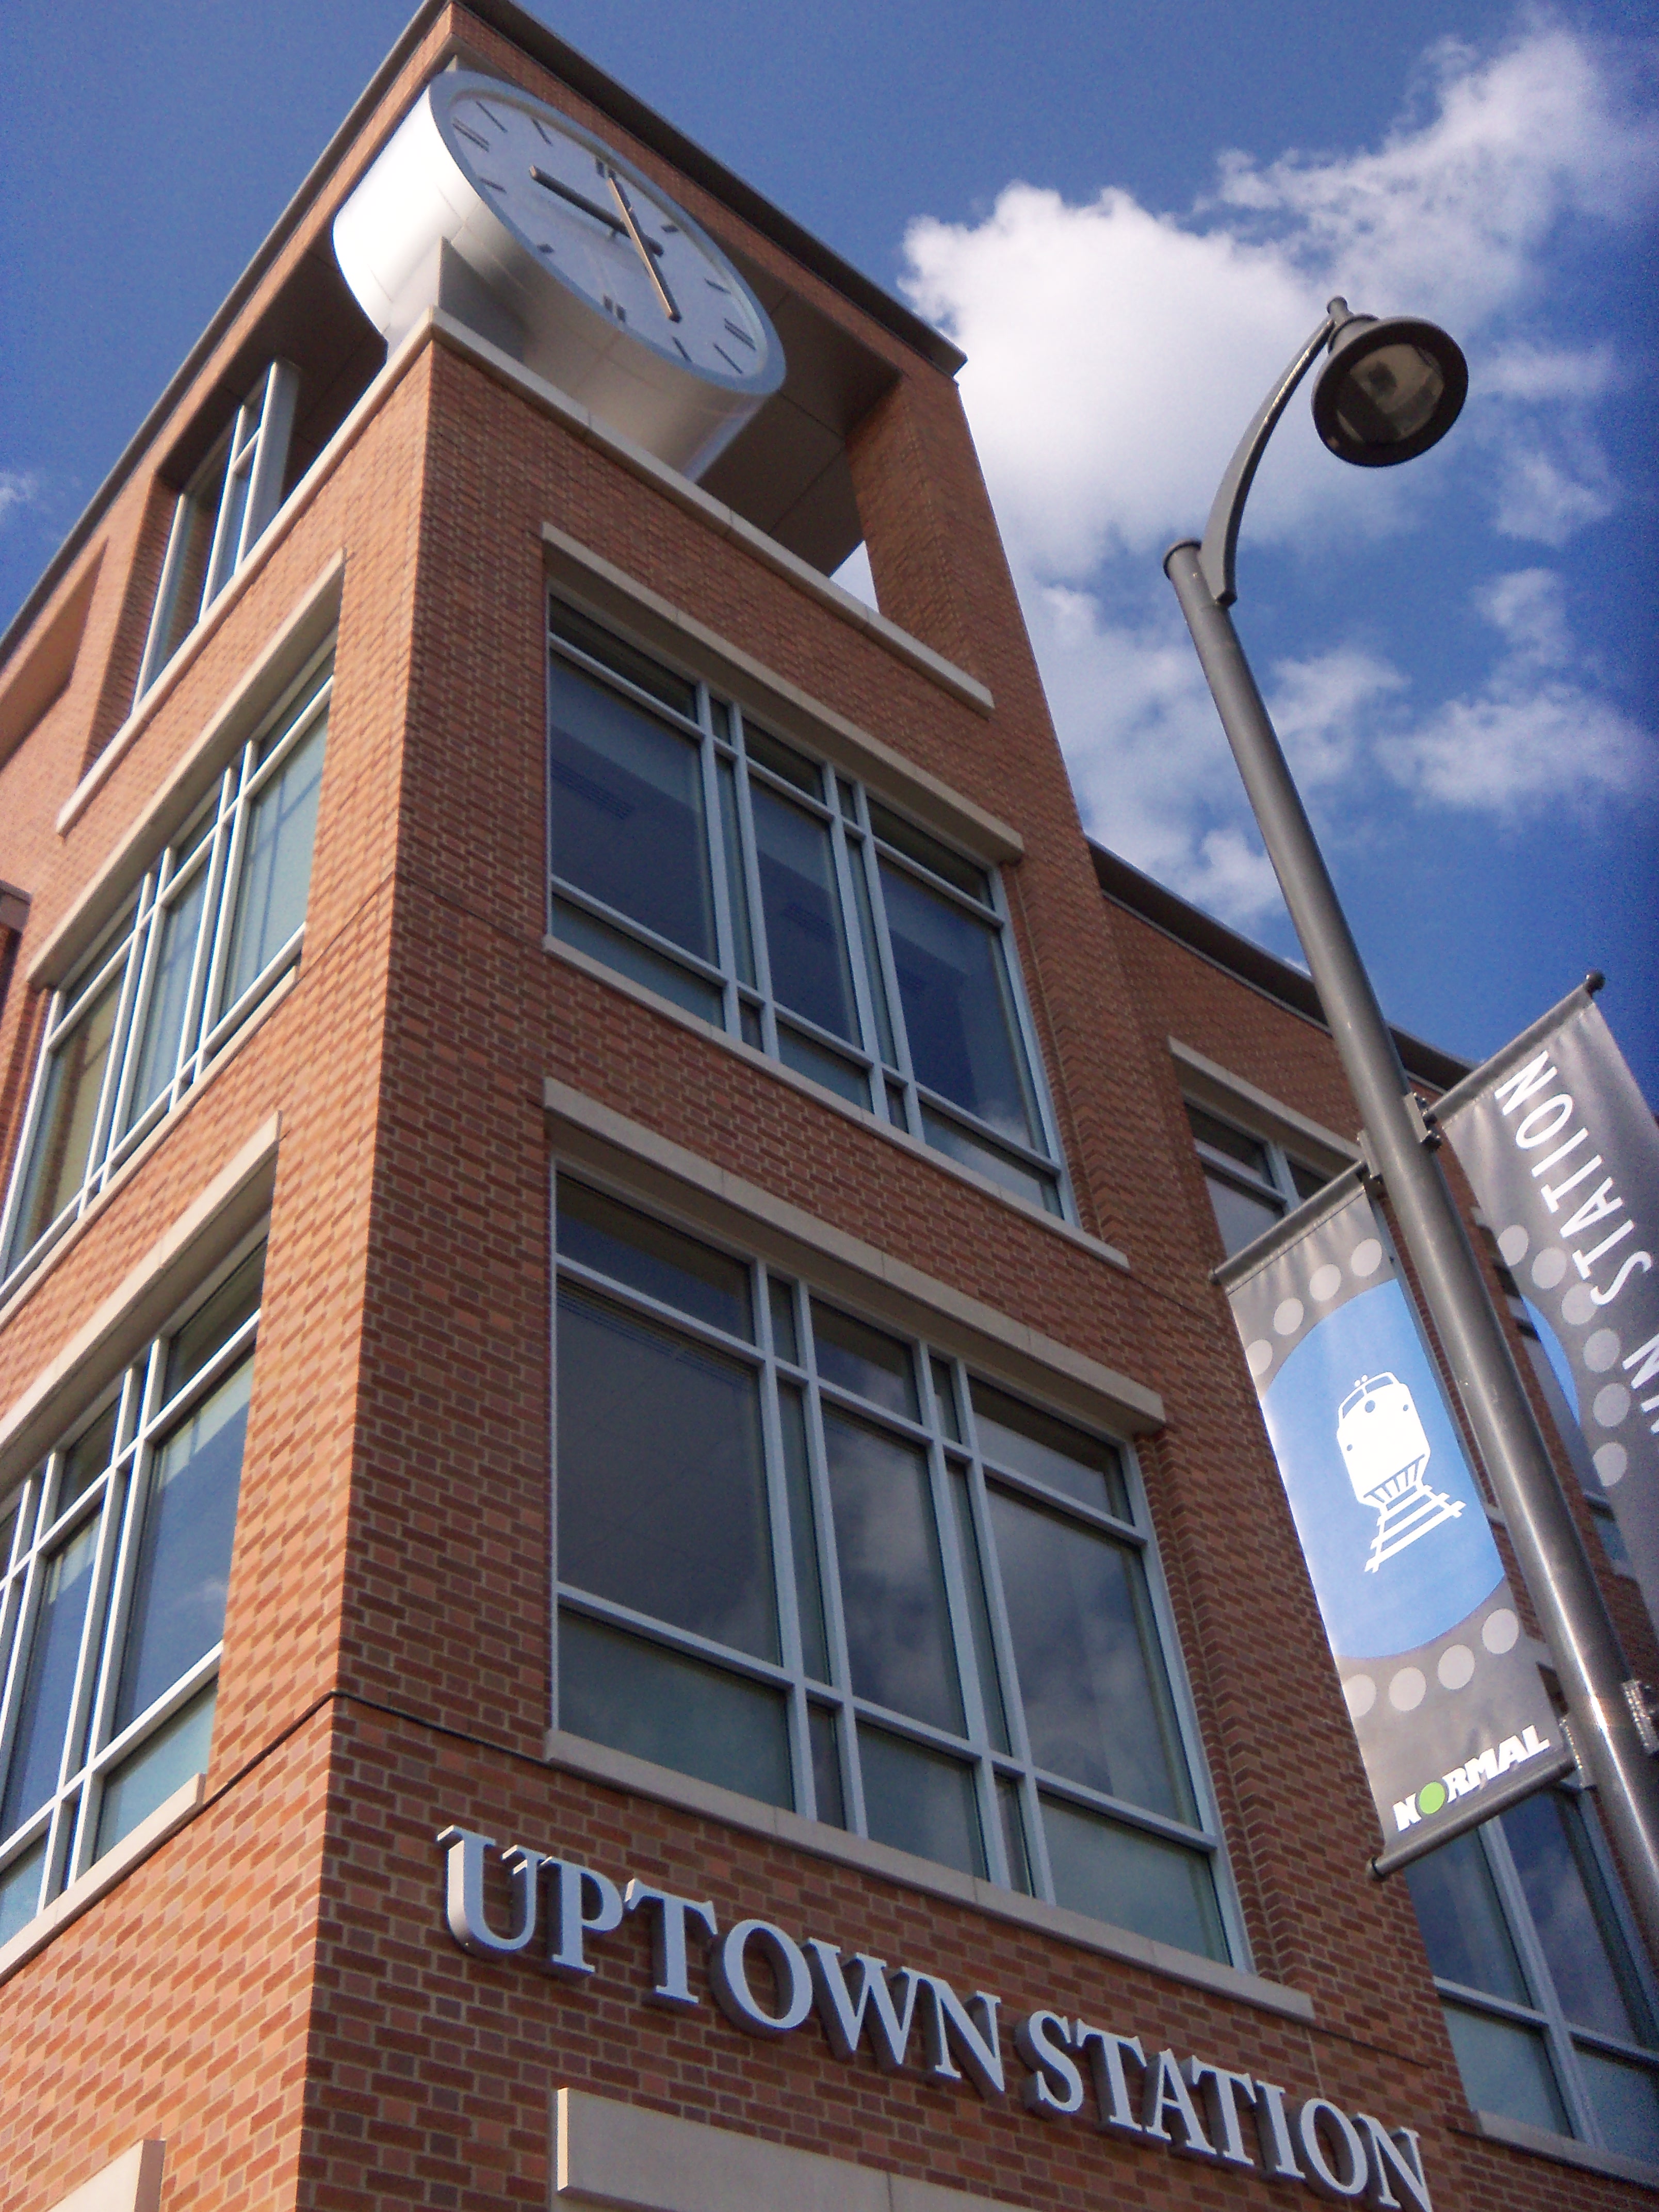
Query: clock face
[602, 229]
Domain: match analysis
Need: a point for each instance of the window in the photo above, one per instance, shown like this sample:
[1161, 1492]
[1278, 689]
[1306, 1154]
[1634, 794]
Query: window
[1559, 1390]
[1251, 1183]
[704, 857]
[1551, 2017]
[221, 515]
[217, 919]
[830, 1568]
[114, 1557]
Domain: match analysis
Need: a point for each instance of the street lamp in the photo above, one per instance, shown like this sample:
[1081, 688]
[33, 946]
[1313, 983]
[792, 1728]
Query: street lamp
[1388, 390]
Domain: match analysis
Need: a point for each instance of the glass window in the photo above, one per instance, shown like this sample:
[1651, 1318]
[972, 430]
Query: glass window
[1524, 1913]
[217, 921]
[1252, 1182]
[719, 865]
[114, 1602]
[788, 1562]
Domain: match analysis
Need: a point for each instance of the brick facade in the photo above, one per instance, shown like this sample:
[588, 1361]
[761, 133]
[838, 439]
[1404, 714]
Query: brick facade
[273, 1991]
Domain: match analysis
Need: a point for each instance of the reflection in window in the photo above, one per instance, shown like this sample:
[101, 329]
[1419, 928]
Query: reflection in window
[706, 858]
[789, 1563]
[115, 1566]
[217, 921]
[1549, 2011]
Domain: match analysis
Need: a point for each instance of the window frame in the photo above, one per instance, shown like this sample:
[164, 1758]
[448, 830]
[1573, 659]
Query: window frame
[751, 1013]
[975, 1746]
[1546, 2015]
[213, 838]
[117, 1502]
[236, 493]
[1277, 1188]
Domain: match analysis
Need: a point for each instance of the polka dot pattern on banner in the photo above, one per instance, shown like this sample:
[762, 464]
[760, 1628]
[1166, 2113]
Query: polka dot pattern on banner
[1578, 1305]
[1324, 1284]
[1600, 1350]
[1512, 1245]
[1499, 1631]
[1548, 1269]
[1611, 1404]
[1287, 1318]
[1367, 1257]
[1406, 1690]
[1259, 1356]
[1611, 1462]
[1360, 1692]
[1456, 1667]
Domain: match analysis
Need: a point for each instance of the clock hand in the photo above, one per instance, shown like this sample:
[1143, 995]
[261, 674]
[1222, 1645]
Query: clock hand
[592, 207]
[645, 246]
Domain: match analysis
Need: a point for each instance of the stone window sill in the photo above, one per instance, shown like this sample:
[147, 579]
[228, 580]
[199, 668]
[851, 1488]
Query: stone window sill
[1519, 2134]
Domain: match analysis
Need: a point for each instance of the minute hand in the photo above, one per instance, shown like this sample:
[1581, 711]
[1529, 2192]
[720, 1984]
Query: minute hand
[611, 223]
[645, 246]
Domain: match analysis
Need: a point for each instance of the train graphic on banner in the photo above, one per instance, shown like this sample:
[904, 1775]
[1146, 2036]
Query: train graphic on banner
[1386, 1452]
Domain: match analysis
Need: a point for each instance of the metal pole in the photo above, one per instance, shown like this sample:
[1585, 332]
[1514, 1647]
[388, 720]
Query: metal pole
[1570, 1607]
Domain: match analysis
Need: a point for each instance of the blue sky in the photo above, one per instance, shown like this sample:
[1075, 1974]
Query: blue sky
[1129, 216]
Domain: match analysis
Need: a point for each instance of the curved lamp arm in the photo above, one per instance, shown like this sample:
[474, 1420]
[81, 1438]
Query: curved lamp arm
[1217, 554]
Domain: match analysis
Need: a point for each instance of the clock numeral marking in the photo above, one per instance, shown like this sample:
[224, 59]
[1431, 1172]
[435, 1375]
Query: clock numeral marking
[490, 185]
[615, 307]
[683, 353]
[727, 359]
[547, 137]
[715, 287]
[466, 132]
[668, 227]
[741, 336]
[488, 115]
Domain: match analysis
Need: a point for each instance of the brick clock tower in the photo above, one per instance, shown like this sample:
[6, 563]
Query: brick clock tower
[636, 1563]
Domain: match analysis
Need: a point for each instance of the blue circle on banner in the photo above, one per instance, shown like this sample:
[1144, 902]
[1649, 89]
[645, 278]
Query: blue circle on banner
[1447, 1563]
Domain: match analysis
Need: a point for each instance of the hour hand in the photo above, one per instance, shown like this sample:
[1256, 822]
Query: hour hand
[612, 223]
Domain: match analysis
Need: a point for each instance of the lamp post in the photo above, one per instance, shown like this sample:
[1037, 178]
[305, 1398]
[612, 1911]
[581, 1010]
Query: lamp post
[1387, 391]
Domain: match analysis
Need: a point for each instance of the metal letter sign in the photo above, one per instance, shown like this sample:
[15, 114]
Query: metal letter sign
[1452, 1716]
[1563, 1157]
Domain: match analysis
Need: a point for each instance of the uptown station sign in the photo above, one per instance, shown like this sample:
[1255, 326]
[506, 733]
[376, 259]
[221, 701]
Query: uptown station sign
[768, 1985]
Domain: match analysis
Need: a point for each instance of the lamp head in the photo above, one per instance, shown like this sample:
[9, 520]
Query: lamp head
[1390, 390]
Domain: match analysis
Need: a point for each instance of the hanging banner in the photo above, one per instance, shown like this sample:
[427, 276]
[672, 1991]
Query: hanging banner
[1563, 1154]
[1450, 1712]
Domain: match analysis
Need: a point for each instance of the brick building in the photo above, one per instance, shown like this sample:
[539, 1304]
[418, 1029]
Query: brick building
[621, 1023]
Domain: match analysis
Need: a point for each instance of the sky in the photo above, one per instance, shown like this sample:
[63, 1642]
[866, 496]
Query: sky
[1129, 216]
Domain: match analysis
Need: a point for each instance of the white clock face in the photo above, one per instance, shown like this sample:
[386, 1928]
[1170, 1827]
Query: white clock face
[617, 241]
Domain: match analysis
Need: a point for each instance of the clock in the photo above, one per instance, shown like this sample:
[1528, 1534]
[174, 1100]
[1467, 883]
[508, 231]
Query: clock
[490, 203]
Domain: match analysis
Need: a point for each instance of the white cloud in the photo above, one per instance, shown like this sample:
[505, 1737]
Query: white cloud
[18, 488]
[1113, 352]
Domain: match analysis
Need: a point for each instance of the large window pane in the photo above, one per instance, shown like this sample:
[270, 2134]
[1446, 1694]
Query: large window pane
[1240, 1217]
[1133, 1880]
[275, 872]
[920, 1800]
[959, 1143]
[662, 1501]
[49, 1687]
[62, 1152]
[957, 1007]
[805, 942]
[627, 823]
[1626, 2100]
[675, 1269]
[164, 1762]
[1506, 2069]
[634, 1696]
[1096, 1707]
[892, 1584]
[1464, 1930]
[184, 1564]
[161, 1041]
[1593, 1975]
[20, 1892]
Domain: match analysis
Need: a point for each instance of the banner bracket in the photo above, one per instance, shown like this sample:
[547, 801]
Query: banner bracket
[1639, 1696]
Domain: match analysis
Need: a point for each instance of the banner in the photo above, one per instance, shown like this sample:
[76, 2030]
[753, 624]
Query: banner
[1563, 1154]
[1450, 1712]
